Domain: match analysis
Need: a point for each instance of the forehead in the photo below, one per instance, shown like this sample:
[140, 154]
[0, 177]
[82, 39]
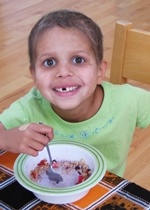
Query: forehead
[59, 34]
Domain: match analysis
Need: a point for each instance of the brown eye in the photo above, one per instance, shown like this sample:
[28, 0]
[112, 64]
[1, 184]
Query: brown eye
[78, 60]
[49, 62]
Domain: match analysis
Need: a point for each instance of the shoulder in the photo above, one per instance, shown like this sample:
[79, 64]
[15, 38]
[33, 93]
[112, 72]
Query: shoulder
[116, 87]
[25, 109]
[32, 94]
[128, 102]
[33, 97]
[125, 90]
[31, 100]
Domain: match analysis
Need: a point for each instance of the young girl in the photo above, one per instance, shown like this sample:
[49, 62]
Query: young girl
[70, 97]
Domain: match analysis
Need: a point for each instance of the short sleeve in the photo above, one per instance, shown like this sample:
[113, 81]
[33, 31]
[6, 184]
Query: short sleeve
[143, 107]
[14, 116]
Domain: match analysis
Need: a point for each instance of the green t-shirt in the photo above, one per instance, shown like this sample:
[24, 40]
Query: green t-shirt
[110, 130]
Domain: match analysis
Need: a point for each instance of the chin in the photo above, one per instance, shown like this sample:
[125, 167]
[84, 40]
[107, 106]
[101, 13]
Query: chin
[65, 107]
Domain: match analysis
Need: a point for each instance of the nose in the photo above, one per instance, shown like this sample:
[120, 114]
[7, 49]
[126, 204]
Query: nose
[64, 70]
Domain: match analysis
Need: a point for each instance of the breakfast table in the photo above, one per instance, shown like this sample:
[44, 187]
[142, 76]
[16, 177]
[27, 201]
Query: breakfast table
[112, 192]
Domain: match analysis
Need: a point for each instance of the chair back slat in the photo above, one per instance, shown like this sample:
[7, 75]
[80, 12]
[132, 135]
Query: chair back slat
[131, 54]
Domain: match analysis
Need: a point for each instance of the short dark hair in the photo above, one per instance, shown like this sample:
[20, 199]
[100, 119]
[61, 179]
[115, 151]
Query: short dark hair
[66, 19]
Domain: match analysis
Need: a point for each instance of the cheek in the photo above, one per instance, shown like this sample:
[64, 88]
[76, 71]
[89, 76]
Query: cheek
[38, 81]
[92, 75]
[38, 76]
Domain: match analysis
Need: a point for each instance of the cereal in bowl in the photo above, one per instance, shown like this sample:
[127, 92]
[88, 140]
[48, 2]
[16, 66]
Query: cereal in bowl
[79, 171]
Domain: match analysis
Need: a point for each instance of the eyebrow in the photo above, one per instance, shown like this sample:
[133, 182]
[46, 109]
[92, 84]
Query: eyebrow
[81, 51]
[74, 52]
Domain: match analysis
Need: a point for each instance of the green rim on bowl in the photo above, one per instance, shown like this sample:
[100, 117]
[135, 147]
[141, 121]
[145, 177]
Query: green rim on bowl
[96, 176]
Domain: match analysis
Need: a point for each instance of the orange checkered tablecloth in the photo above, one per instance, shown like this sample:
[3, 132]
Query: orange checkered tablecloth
[112, 192]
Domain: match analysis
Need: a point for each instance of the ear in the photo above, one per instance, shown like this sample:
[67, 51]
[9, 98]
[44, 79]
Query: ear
[101, 71]
[32, 72]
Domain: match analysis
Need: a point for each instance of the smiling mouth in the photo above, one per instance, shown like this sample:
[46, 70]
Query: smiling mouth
[66, 89]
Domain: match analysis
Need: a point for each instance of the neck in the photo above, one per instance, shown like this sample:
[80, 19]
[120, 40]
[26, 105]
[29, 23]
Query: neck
[84, 112]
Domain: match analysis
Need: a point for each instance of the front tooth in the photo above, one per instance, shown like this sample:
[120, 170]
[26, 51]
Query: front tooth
[70, 88]
[60, 89]
[67, 89]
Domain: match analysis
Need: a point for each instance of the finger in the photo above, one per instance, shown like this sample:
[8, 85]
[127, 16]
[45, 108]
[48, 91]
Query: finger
[36, 145]
[43, 129]
[38, 138]
[32, 139]
[28, 150]
[31, 151]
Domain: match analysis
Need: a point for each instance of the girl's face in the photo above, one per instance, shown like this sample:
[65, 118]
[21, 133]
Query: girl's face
[66, 72]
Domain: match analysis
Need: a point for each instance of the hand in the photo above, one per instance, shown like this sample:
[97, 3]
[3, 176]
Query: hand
[26, 139]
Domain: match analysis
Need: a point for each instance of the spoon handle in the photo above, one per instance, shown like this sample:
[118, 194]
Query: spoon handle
[48, 150]
[49, 154]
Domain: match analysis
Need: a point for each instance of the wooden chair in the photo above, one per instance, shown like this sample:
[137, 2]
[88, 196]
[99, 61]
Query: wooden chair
[131, 54]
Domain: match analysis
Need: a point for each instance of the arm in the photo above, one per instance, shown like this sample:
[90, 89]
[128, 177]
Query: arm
[28, 139]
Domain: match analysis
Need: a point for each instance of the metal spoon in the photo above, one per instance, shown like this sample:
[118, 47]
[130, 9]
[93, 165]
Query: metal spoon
[52, 175]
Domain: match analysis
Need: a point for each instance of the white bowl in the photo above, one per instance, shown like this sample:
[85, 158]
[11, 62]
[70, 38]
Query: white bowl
[61, 150]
